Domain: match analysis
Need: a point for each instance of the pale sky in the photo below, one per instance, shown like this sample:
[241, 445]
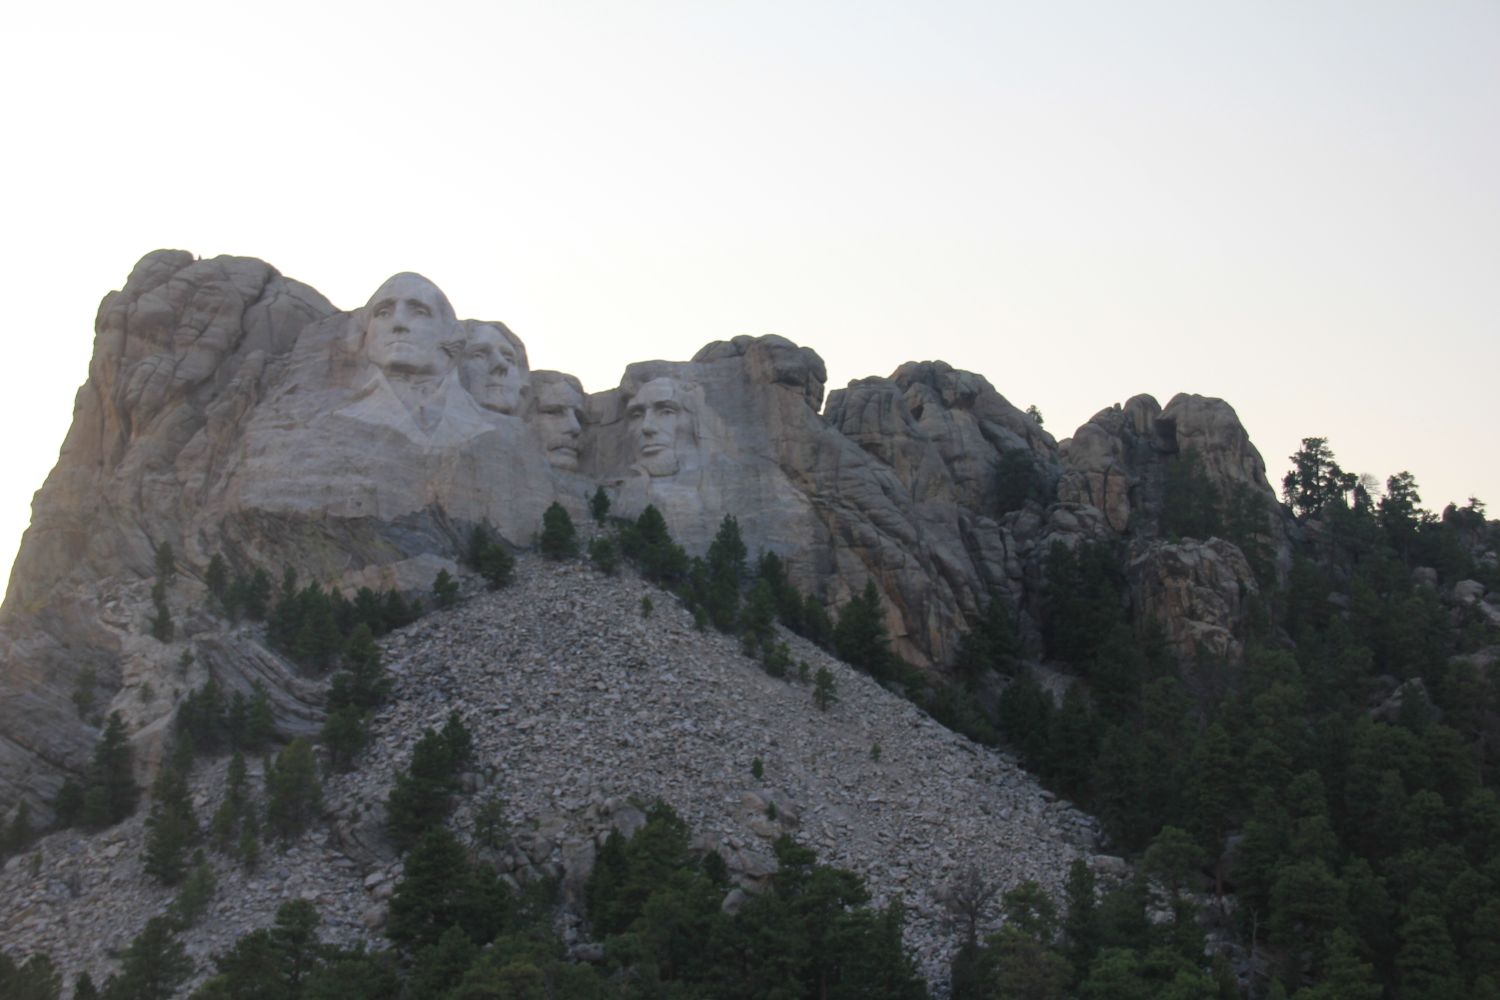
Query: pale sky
[1290, 205]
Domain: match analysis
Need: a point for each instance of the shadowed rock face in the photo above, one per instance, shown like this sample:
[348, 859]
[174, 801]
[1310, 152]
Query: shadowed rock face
[230, 409]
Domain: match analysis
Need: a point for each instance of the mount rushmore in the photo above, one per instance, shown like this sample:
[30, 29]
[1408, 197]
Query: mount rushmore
[232, 410]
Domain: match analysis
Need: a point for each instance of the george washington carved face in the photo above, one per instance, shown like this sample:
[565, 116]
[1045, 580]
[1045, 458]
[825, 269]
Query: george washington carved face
[409, 322]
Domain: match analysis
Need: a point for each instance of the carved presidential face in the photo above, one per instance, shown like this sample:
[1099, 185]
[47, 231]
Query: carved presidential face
[409, 319]
[655, 418]
[492, 370]
[559, 407]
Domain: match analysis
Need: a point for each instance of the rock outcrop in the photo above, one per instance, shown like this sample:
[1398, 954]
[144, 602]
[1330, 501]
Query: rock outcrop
[231, 410]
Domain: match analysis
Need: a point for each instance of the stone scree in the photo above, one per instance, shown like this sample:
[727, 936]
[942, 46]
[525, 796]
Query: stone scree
[583, 711]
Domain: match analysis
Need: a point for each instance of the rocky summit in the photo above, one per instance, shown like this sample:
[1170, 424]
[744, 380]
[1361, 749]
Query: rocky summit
[231, 410]
[236, 425]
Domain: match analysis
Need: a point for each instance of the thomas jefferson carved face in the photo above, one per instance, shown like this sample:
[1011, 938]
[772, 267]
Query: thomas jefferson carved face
[492, 369]
[655, 416]
[559, 405]
[409, 320]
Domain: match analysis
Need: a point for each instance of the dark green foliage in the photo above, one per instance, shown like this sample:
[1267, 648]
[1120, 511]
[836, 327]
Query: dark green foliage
[197, 892]
[444, 589]
[817, 627]
[171, 827]
[1191, 503]
[166, 562]
[216, 579]
[109, 792]
[294, 795]
[715, 581]
[497, 565]
[286, 961]
[653, 903]
[35, 979]
[605, 555]
[83, 691]
[992, 645]
[860, 637]
[260, 725]
[649, 545]
[363, 683]
[153, 966]
[491, 828]
[203, 720]
[312, 626]
[162, 628]
[1081, 600]
[1018, 479]
[1072, 743]
[1316, 481]
[354, 694]
[1081, 932]
[441, 889]
[599, 505]
[1174, 859]
[344, 734]
[421, 798]
[249, 596]
[559, 538]
[1026, 719]
[234, 811]
[658, 912]
[16, 836]
[757, 621]
[825, 693]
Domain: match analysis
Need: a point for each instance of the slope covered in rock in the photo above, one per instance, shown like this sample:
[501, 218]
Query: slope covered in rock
[583, 710]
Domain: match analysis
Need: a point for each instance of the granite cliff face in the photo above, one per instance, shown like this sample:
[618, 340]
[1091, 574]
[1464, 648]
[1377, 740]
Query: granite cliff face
[231, 410]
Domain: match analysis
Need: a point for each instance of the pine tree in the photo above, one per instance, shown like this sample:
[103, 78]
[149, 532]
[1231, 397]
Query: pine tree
[162, 628]
[260, 724]
[293, 793]
[445, 589]
[216, 579]
[605, 555]
[726, 571]
[257, 596]
[599, 505]
[1081, 932]
[440, 889]
[1316, 481]
[153, 967]
[111, 792]
[18, 834]
[171, 826]
[860, 638]
[196, 893]
[224, 828]
[991, 645]
[824, 691]
[497, 565]
[559, 538]
[422, 793]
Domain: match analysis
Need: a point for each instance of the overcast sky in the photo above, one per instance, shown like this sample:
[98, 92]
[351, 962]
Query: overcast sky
[1292, 206]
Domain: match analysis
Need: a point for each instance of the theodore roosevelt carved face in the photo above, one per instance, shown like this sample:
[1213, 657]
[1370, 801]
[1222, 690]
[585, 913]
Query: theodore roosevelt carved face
[657, 417]
[558, 417]
[493, 368]
[409, 322]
